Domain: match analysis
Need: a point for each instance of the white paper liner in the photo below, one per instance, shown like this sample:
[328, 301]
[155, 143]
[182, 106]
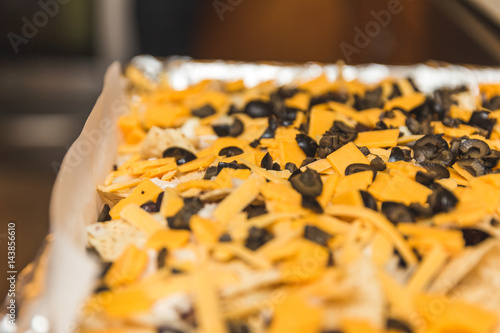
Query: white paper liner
[75, 203]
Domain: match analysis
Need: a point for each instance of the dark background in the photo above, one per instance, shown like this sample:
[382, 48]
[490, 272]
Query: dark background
[49, 86]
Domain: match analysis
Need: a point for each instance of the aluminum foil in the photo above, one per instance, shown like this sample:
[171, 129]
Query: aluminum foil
[57, 282]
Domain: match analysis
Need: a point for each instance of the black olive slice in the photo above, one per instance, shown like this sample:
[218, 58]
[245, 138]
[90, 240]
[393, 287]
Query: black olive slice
[221, 130]
[276, 166]
[473, 166]
[307, 160]
[267, 162]
[104, 214]
[236, 128]
[307, 183]
[480, 119]
[181, 155]
[364, 150]
[181, 219]
[253, 211]
[291, 167]
[378, 164]
[396, 155]
[150, 207]
[101, 289]
[255, 143]
[437, 170]
[225, 238]
[233, 109]
[230, 151]
[316, 235]
[237, 327]
[258, 109]
[473, 236]
[451, 122]
[429, 147]
[232, 165]
[397, 212]
[441, 199]
[491, 160]
[161, 257]
[413, 125]
[395, 325]
[473, 148]
[257, 237]
[204, 111]
[359, 167]
[312, 204]
[420, 210]
[210, 172]
[307, 144]
[368, 200]
[159, 200]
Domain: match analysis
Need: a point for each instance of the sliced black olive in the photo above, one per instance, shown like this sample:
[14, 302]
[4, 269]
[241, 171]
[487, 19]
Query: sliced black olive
[360, 167]
[230, 151]
[255, 143]
[421, 211]
[291, 167]
[276, 166]
[104, 214]
[328, 144]
[451, 122]
[221, 130]
[387, 114]
[307, 144]
[225, 238]
[441, 199]
[397, 212]
[327, 97]
[378, 164]
[455, 145]
[210, 172]
[237, 327]
[232, 165]
[407, 154]
[396, 155]
[181, 155]
[331, 259]
[372, 99]
[380, 125]
[236, 128]
[413, 125]
[436, 170]
[150, 207]
[270, 131]
[473, 148]
[159, 200]
[312, 204]
[181, 219]
[481, 120]
[346, 132]
[473, 236]
[429, 147]
[169, 329]
[316, 235]
[204, 111]
[395, 325]
[307, 160]
[307, 183]
[491, 160]
[493, 104]
[253, 211]
[368, 200]
[258, 109]
[396, 92]
[161, 257]
[473, 166]
[364, 150]
[286, 93]
[257, 237]
[267, 162]
[101, 289]
[233, 109]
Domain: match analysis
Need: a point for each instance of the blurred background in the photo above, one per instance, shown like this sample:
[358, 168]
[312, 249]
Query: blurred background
[53, 54]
